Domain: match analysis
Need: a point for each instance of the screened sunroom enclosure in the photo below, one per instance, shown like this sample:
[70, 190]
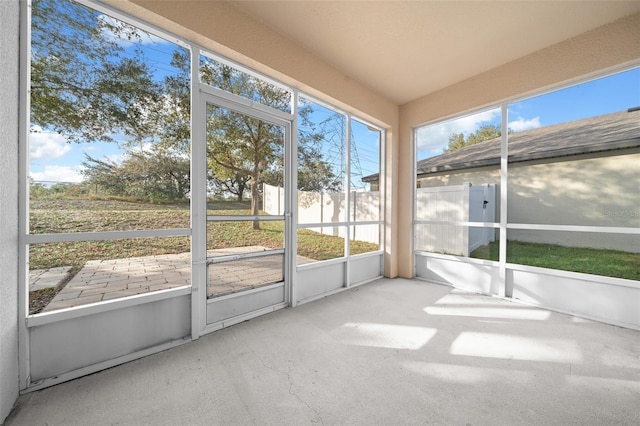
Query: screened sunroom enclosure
[230, 195]
[541, 207]
[223, 172]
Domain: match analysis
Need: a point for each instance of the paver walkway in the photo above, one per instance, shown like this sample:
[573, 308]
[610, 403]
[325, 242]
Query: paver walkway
[47, 278]
[101, 280]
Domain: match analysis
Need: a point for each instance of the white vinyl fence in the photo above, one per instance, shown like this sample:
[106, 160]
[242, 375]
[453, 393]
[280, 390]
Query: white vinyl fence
[456, 203]
[328, 208]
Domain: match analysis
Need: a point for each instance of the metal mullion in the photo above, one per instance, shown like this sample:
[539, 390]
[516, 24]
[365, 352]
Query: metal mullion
[367, 222]
[243, 218]
[243, 105]
[240, 256]
[504, 165]
[369, 254]
[414, 205]
[198, 200]
[347, 199]
[321, 263]
[459, 223]
[320, 225]
[107, 235]
[291, 202]
[575, 228]
[382, 189]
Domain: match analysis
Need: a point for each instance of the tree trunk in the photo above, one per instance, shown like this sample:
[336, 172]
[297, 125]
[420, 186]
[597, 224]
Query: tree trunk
[255, 198]
[241, 188]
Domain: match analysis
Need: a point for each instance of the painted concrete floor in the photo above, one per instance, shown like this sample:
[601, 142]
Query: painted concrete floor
[391, 352]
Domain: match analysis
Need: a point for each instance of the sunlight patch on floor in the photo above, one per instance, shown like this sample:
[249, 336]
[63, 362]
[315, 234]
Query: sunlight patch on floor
[384, 335]
[473, 305]
[504, 346]
[464, 374]
[458, 297]
[489, 312]
[599, 383]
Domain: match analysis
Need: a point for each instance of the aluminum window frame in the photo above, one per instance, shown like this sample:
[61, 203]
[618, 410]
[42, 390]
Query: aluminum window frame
[348, 223]
[503, 225]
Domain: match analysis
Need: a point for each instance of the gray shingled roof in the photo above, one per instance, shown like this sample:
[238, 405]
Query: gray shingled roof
[603, 133]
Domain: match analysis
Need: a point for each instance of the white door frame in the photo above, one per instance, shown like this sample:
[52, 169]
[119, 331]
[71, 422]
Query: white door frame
[211, 96]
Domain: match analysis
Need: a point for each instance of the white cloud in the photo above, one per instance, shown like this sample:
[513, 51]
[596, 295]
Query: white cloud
[120, 157]
[114, 158]
[146, 147]
[432, 140]
[47, 145]
[59, 174]
[126, 34]
[522, 124]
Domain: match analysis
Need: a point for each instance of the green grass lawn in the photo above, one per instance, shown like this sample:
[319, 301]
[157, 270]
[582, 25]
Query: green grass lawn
[60, 215]
[609, 263]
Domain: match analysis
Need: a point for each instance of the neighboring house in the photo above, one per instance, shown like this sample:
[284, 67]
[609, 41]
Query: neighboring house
[557, 175]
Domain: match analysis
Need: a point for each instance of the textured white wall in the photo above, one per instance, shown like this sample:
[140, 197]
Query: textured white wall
[9, 84]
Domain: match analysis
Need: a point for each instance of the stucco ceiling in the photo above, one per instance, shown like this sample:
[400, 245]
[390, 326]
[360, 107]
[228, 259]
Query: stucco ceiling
[407, 49]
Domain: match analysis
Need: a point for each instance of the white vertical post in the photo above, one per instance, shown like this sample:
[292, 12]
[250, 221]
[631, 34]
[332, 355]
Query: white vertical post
[355, 209]
[466, 194]
[382, 198]
[504, 161]
[198, 200]
[485, 214]
[291, 194]
[347, 194]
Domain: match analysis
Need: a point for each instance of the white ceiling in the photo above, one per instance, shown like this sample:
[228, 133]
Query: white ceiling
[407, 49]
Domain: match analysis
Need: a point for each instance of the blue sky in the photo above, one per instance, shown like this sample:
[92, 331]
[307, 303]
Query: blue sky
[53, 159]
[613, 93]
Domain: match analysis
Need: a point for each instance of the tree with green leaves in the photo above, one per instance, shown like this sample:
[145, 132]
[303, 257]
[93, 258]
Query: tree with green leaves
[243, 149]
[88, 87]
[157, 176]
[484, 133]
[244, 146]
[90, 82]
[223, 181]
[83, 86]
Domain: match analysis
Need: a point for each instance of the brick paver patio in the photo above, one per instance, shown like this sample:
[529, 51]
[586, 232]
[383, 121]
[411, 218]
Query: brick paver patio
[101, 280]
[47, 278]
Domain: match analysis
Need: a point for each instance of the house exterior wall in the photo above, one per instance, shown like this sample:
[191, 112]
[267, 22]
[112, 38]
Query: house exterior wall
[588, 190]
[605, 48]
[9, 84]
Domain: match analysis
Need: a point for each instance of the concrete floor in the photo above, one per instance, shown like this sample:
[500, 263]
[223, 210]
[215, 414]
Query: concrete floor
[388, 353]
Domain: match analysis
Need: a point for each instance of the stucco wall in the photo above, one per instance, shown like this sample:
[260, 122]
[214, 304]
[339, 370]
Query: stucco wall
[588, 190]
[593, 52]
[225, 30]
[9, 82]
